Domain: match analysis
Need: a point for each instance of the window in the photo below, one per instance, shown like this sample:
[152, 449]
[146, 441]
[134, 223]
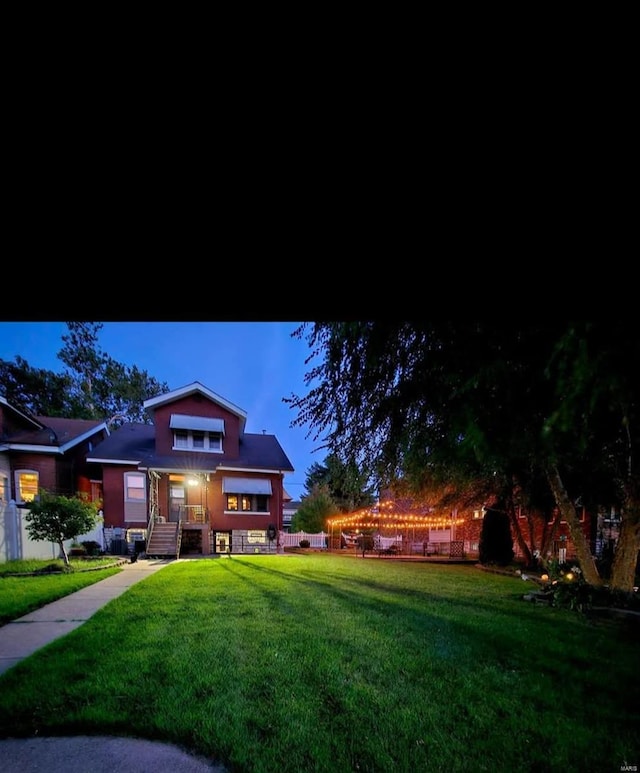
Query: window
[26, 485]
[96, 491]
[195, 440]
[134, 487]
[180, 440]
[249, 503]
[4, 489]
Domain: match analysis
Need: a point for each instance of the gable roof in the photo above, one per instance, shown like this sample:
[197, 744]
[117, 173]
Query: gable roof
[134, 444]
[196, 388]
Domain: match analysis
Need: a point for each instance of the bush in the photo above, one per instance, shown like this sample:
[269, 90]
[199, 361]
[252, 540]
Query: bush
[91, 547]
[304, 543]
[77, 550]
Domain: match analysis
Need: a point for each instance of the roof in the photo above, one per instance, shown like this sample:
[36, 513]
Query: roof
[134, 443]
[129, 444]
[56, 433]
[196, 388]
[23, 414]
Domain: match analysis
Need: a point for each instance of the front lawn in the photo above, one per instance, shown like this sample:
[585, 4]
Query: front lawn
[328, 664]
[21, 592]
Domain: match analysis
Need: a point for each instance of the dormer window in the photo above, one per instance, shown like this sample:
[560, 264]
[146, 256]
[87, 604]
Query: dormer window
[197, 433]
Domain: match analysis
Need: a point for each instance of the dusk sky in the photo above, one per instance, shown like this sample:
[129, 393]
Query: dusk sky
[251, 364]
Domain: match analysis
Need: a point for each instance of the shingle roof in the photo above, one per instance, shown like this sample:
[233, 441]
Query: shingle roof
[136, 443]
[55, 432]
[132, 442]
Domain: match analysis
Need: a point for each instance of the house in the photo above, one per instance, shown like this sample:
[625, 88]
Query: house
[289, 510]
[194, 482]
[40, 452]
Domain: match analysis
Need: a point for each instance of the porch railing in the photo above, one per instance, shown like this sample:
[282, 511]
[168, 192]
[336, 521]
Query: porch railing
[193, 514]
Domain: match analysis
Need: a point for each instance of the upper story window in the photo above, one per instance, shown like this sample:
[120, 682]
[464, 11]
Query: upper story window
[134, 487]
[192, 440]
[196, 433]
[26, 485]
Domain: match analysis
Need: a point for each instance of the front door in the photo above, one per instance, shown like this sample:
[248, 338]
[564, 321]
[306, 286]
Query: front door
[176, 500]
[223, 541]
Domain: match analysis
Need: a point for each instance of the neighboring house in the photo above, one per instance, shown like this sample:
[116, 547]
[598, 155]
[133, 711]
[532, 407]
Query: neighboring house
[290, 509]
[456, 531]
[40, 452]
[194, 482]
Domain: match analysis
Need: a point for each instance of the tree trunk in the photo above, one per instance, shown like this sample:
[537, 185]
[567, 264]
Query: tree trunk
[549, 536]
[625, 557]
[522, 543]
[65, 557]
[568, 511]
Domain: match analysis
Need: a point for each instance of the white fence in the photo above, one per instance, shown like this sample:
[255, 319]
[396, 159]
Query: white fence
[15, 542]
[318, 540]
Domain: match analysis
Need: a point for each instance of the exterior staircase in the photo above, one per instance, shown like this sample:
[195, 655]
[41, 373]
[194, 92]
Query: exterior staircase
[164, 540]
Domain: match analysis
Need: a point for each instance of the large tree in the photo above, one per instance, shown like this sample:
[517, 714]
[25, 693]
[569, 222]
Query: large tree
[38, 391]
[484, 401]
[92, 386]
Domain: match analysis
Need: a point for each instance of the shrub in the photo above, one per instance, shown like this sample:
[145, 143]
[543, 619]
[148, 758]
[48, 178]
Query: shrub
[304, 543]
[92, 547]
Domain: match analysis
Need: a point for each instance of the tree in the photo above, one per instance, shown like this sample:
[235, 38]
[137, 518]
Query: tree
[347, 486]
[34, 390]
[314, 510]
[93, 386]
[56, 518]
[483, 401]
[105, 388]
[83, 357]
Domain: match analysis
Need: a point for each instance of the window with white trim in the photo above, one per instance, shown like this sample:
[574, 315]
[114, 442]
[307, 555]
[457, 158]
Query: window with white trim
[26, 485]
[4, 489]
[197, 440]
[134, 487]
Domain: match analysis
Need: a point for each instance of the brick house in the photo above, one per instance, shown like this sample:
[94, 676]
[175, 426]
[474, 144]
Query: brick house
[194, 482]
[40, 452]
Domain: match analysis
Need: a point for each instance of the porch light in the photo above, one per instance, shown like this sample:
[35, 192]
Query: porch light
[192, 482]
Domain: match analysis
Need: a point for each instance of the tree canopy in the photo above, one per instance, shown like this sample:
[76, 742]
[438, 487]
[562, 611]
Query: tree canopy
[314, 510]
[547, 409]
[347, 486]
[56, 518]
[92, 385]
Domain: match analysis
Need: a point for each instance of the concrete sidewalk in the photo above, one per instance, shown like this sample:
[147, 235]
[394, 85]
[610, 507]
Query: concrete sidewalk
[22, 637]
[84, 754]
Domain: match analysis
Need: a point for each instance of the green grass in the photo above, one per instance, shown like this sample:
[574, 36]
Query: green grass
[20, 595]
[324, 663]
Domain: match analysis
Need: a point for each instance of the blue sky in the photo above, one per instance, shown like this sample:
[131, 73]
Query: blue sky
[251, 364]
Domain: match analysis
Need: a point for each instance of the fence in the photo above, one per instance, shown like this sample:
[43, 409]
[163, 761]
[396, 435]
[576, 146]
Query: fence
[318, 540]
[15, 542]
